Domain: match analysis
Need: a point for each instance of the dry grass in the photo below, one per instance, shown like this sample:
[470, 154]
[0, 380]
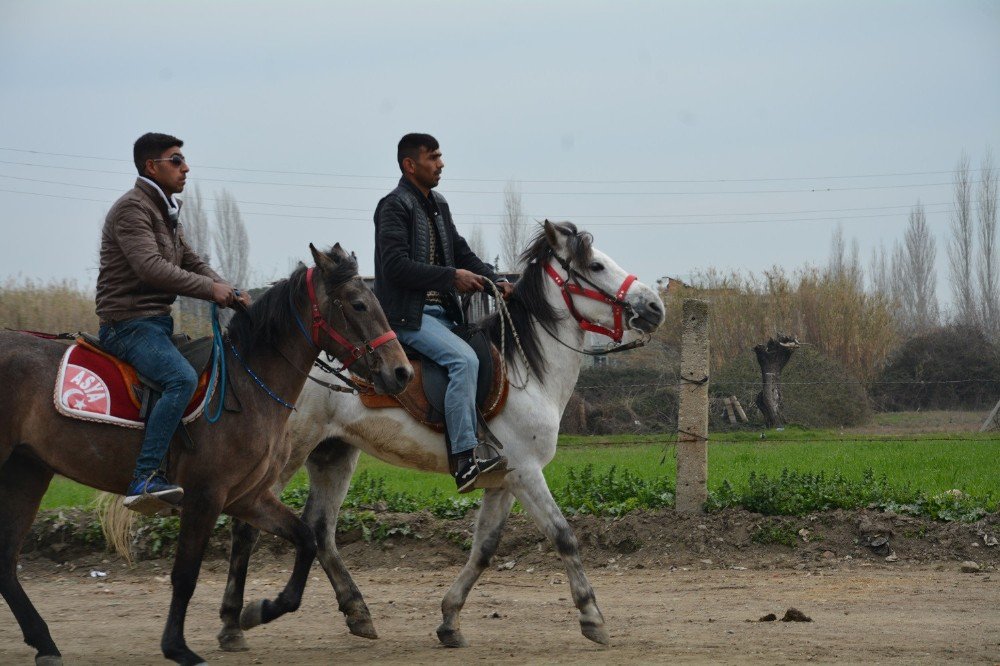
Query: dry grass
[834, 315]
[59, 306]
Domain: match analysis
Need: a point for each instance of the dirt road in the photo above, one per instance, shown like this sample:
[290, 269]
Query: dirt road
[861, 614]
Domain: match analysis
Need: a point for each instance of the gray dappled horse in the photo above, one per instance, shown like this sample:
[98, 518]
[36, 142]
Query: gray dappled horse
[236, 461]
[329, 431]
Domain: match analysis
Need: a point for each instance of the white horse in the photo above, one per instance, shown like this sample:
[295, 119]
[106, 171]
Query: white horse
[550, 311]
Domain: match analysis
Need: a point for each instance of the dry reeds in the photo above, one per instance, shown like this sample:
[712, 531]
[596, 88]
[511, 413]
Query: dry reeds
[58, 306]
[834, 314]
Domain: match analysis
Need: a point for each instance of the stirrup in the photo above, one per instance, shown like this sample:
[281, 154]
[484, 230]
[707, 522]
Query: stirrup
[150, 505]
[493, 478]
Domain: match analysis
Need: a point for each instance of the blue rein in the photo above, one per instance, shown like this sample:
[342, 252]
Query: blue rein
[218, 366]
[218, 377]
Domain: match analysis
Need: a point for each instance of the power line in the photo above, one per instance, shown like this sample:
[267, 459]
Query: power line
[519, 180]
[497, 192]
[572, 216]
[844, 218]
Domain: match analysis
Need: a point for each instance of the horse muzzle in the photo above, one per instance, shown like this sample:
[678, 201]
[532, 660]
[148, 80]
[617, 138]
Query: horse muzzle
[646, 316]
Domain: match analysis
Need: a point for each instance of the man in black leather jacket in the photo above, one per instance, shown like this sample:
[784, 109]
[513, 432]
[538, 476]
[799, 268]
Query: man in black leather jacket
[421, 263]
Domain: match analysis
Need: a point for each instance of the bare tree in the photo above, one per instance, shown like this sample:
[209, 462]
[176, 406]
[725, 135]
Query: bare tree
[988, 269]
[836, 265]
[477, 242]
[914, 277]
[961, 249]
[232, 245]
[194, 223]
[844, 266]
[879, 271]
[513, 232]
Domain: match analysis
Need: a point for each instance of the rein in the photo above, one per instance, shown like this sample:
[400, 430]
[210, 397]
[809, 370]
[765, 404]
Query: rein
[219, 375]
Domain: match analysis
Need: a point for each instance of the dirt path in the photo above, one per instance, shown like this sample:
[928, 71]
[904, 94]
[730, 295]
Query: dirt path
[861, 613]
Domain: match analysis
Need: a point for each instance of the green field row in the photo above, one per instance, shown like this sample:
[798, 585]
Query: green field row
[932, 464]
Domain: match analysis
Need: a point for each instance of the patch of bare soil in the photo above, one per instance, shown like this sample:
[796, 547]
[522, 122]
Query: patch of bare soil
[877, 587]
[731, 538]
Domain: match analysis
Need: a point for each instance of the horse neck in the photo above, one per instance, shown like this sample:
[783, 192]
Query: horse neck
[282, 367]
[562, 364]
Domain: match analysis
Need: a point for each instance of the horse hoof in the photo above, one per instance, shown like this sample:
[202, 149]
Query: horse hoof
[233, 643]
[362, 627]
[452, 638]
[48, 660]
[252, 615]
[596, 632]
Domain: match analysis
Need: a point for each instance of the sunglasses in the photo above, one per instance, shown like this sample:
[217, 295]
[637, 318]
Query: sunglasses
[176, 159]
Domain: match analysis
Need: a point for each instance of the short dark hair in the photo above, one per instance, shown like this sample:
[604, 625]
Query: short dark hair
[150, 146]
[410, 145]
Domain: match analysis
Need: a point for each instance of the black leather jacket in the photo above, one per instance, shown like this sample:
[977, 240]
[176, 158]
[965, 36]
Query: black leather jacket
[403, 272]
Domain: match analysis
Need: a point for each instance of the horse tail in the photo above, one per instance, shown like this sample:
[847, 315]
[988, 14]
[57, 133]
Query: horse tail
[117, 523]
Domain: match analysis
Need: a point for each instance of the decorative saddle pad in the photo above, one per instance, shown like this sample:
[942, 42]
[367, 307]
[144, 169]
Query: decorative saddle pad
[92, 385]
[429, 409]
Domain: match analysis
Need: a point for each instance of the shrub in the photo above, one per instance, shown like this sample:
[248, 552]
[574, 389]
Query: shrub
[624, 400]
[950, 367]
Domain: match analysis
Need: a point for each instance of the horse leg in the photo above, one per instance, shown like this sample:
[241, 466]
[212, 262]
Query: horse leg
[231, 637]
[199, 512]
[534, 495]
[269, 514]
[22, 484]
[330, 466]
[493, 513]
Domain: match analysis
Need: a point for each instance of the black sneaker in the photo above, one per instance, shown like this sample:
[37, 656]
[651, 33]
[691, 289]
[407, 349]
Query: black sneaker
[470, 468]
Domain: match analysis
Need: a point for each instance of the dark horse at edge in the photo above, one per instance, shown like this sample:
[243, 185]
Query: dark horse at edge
[236, 461]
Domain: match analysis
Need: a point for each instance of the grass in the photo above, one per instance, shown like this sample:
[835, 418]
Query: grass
[928, 463]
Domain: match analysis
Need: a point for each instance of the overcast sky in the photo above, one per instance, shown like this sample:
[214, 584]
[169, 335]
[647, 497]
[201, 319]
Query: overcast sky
[684, 135]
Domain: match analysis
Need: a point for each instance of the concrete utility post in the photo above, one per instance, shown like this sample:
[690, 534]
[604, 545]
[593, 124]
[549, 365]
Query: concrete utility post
[692, 417]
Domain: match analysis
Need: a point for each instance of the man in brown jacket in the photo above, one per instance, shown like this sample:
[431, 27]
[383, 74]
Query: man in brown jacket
[145, 265]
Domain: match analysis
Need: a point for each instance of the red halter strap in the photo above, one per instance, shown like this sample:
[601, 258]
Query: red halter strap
[353, 351]
[570, 289]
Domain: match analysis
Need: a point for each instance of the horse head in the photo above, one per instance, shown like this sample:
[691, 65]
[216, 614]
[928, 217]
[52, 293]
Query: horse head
[600, 294]
[349, 323]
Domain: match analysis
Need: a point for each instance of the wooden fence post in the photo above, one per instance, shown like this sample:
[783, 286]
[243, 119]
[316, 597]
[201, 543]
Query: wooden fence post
[692, 416]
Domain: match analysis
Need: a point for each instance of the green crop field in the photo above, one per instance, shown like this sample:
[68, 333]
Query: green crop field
[927, 463]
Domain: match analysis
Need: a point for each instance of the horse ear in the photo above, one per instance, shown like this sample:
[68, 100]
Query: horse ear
[323, 262]
[552, 235]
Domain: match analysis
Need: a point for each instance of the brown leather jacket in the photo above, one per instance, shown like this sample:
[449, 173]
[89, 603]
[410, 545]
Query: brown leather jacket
[145, 261]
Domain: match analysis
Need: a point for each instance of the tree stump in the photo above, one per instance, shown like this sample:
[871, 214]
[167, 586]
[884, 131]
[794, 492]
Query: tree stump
[772, 358]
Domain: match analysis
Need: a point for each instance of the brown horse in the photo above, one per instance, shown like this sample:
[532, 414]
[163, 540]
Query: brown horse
[236, 460]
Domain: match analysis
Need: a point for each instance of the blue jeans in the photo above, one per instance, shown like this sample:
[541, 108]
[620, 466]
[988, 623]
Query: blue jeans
[436, 341]
[144, 343]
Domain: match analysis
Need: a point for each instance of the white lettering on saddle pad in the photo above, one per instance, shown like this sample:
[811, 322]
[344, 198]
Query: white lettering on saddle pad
[84, 391]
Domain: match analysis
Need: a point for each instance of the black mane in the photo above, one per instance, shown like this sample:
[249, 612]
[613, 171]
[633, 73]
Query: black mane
[269, 318]
[528, 300]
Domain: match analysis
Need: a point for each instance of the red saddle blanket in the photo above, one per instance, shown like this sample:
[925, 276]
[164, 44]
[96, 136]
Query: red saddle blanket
[94, 386]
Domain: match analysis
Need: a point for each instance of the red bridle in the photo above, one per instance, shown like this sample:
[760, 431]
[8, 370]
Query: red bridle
[353, 351]
[617, 302]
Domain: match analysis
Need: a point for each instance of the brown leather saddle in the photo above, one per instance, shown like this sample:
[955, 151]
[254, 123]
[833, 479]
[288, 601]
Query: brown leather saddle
[423, 398]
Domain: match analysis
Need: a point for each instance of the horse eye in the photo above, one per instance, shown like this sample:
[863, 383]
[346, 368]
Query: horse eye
[596, 266]
[359, 306]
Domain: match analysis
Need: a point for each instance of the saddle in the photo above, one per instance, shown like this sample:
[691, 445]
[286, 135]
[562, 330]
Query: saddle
[94, 385]
[423, 398]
